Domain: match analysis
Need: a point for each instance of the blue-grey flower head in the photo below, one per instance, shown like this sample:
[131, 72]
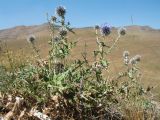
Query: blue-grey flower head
[122, 31]
[54, 18]
[31, 39]
[105, 29]
[132, 61]
[62, 31]
[60, 11]
[135, 59]
[68, 23]
[96, 27]
[125, 54]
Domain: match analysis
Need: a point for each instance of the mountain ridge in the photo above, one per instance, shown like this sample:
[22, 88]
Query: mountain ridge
[19, 31]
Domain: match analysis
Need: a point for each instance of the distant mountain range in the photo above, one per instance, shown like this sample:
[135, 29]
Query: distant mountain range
[19, 32]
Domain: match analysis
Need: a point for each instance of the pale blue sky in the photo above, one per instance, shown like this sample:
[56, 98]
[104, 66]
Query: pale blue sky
[81, 13]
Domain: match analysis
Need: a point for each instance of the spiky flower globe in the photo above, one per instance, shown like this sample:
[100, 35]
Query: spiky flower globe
[135, 59]
[105, 29]
[54, 18]
[125, 54]
[31, 39]
[68, 23]
[60, 11]
[122, 31]
[62, 31]
[96, 27]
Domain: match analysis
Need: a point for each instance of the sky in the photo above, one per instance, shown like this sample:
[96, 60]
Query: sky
[81, 13]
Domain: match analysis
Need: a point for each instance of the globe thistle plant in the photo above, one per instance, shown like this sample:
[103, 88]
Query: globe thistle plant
[96, 27]
[31, 39]
[60, 46]
[60, 11]
[122, 31]
[105, 29]
[76, 88]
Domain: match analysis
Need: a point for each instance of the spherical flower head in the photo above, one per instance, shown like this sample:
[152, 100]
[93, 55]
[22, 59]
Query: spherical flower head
[31, 39]
[54, 18]
[68, 23]
[137, 58]
[60, 11]
[125, 54]
[105, 29]
[62, 31]
[122, 31]
[96, 27]
[132, 61]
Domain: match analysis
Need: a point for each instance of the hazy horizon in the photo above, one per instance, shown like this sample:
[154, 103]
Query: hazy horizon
[77, 27]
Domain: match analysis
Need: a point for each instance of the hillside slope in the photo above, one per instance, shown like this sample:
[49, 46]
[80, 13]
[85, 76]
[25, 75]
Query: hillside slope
[141, 40]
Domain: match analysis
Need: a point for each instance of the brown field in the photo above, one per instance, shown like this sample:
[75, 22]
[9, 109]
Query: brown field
[139, 40]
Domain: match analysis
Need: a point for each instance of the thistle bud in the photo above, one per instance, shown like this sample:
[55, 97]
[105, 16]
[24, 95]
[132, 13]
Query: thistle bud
[62, 32]
[135, 59]
[125, 54]
[122, 31]
[53, 18]
[126, 57]
[96, 27]
[31, 39]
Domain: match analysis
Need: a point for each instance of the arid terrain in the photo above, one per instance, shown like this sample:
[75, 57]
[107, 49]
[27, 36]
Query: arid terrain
[142, 40]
